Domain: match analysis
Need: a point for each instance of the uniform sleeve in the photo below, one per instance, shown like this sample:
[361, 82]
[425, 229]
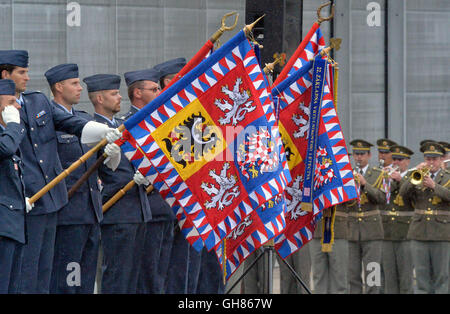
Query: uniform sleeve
[10, 139]
[443, 191]
[67, 122]
[374, 195]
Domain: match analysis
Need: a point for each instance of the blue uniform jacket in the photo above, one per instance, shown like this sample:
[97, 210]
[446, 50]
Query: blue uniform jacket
[85, 205]
[161, 211]
[12, 189]
[40, 150]
[133, 207]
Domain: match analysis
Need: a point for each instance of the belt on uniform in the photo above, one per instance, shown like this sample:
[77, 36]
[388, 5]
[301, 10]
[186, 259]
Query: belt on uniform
[432, 212]
[340, 214]
[365, 214]
[397, 213]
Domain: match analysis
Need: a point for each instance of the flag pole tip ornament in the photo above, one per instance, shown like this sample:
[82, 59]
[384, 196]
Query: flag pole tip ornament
[224, 27]
[249, 28]
[320, 18]
[279, 59]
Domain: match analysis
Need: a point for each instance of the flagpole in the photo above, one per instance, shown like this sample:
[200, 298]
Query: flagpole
[71, 168]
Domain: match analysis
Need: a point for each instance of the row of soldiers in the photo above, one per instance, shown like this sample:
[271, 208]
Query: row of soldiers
[52, 245]
[397, 230]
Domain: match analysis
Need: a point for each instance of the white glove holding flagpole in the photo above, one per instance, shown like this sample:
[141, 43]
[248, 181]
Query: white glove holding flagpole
[11, 114]
[28, 206]
[93, 132]
[114, 156]
[140, 179]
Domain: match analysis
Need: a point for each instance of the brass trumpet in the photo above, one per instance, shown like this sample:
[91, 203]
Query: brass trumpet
[418, 175]
[388, 171]
[356, 170]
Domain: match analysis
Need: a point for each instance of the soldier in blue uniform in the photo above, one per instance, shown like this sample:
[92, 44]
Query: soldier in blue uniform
[12, 190]
[78, 226]
[123, 225]
[142, 89]
[41, 165]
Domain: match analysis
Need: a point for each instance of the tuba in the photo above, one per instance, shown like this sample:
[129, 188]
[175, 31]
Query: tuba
[418, 175]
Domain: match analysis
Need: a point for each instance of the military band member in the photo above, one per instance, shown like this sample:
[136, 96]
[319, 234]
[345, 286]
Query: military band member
[142, 89]
[365, 233]
[41, 165]
[123, 225]
[12, 190]
[446, 162]
[384, 153]
[329, 269]
[430, 225]
[397, 264]
[78, 225]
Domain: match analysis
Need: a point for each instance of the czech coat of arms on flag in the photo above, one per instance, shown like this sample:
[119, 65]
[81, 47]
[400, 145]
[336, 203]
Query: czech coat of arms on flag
[210, 139]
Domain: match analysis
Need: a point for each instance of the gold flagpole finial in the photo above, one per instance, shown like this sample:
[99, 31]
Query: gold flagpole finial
[279, 59]
[335, 43]
[224, 27]
[248, 28]
[321, 19]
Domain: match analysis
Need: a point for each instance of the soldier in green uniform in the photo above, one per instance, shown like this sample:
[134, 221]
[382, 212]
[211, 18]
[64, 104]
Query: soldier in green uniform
[384, 161]
[365, 232]
[384, 153]
[446, 162]
[430, 225]
[396, 217]
[329, 268]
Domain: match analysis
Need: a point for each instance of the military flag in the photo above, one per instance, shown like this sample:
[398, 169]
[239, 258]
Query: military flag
[208, 136]
[331, 179]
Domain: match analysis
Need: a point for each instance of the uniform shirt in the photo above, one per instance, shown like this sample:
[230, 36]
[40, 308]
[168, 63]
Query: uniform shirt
[431, 220]
[364, 221]
[84, 207]
[133, 207]
[12, 189]
[39, 149]
[398, 213]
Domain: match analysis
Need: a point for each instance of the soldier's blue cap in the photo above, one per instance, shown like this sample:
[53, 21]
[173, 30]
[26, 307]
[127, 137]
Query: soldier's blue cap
[142, 75]
[100, 82]
[61, 72]
[171, 66]
[14, 57]
[7, 87]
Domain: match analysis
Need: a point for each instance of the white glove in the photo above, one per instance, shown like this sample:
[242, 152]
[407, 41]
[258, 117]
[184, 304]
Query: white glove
[10, 114]
[93, 132]
[114, 156]
[140, 179]
[28, 206]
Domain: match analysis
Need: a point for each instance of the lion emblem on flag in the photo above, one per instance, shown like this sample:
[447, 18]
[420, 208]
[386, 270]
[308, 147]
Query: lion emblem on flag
[224, 194]
[235, 113]
[293, 204]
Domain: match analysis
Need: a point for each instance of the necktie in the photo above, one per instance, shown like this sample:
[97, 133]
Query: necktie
[432, 176]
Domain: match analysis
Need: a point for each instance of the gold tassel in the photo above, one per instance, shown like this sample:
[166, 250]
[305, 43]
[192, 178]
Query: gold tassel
[328, 212]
